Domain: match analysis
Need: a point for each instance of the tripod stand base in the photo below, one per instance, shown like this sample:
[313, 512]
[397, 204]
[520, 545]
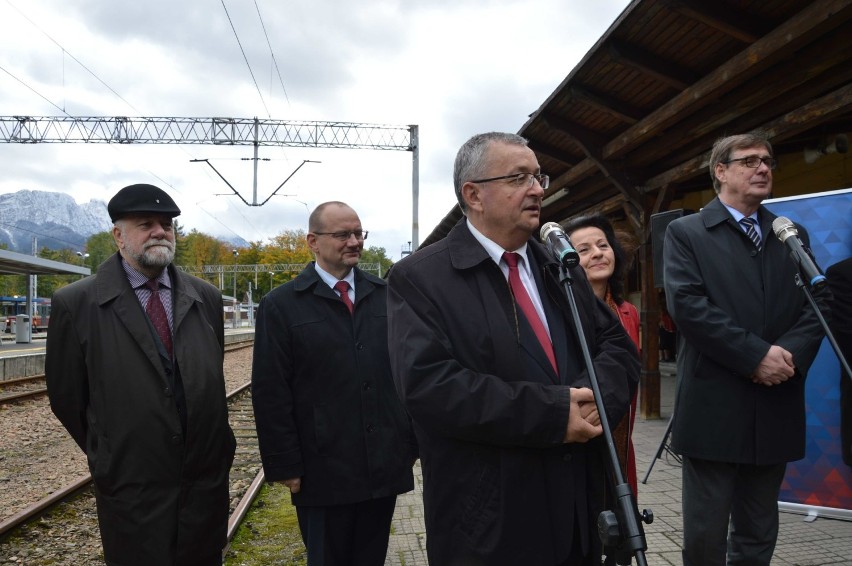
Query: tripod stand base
[663, 446]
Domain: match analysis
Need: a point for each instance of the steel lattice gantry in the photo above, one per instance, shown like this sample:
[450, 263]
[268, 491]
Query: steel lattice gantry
[216, 131]
[219, 131]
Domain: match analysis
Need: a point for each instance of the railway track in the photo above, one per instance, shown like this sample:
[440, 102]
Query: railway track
[65, 522]
[21, 388]
[33, 386]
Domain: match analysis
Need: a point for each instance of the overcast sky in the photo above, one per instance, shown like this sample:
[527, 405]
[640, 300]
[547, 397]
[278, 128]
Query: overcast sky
[453, 67]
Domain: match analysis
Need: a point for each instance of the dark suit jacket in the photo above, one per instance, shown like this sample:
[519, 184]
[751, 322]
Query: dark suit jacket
[324, 401]
[162, 495]
[839, 278]
[499, 486]
[730, 304]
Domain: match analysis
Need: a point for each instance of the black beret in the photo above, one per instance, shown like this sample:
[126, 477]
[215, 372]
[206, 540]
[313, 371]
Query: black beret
[141, 198]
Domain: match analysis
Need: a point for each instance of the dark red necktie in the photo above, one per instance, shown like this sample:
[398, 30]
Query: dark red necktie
[523, 300]
[343, 288]
[157, 314]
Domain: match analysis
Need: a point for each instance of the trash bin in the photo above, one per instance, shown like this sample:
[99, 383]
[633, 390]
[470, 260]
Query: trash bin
[22, 330]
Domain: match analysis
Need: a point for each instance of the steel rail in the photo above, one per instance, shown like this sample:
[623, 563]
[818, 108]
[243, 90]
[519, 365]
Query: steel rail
[65, 492]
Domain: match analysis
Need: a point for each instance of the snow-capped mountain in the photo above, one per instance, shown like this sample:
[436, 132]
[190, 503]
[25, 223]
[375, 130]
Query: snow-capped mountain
[55, 219]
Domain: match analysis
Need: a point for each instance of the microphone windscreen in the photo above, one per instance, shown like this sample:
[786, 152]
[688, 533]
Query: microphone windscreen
[784, 228]
[547, 228]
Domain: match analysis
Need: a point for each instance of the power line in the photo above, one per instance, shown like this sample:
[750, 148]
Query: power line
[35, 91]
[45, 236]
[246, 59]
[113, 91]
[65, 51]
[271, 53]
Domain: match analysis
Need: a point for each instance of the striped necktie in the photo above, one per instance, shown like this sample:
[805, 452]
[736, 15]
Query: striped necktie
[751, 232]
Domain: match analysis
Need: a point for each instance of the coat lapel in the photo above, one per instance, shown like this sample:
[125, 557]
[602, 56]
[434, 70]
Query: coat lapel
[114, 293]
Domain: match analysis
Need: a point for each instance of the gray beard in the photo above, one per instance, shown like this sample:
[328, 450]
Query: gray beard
[159, 256]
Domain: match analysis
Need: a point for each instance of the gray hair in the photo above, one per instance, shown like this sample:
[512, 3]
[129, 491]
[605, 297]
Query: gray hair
[471, 161]
[724, 147]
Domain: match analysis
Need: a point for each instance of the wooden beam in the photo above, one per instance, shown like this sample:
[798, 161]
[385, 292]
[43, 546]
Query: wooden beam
[650, 64]
[606, 104]
[790, 124]
[728, 20]
[820, 17]
[591, 142]
[551, 152]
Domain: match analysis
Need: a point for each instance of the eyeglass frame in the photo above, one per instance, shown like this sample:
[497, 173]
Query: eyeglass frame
[344, 235]
[542, 179]
[770, 161]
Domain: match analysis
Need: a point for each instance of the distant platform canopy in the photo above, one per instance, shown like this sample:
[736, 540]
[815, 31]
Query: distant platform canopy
[14, 263]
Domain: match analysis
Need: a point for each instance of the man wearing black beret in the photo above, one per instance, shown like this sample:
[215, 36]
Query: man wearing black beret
[134, 373]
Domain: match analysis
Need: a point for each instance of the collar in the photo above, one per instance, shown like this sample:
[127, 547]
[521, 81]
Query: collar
[331, 280]
[495, 251]
[739, 215]
[138, 279]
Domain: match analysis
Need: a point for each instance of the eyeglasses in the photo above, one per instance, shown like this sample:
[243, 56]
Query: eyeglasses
[753, 161]
[521, 180]
[344, 235]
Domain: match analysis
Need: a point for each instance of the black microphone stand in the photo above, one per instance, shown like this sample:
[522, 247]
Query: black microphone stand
[828, 334]
[620, 528]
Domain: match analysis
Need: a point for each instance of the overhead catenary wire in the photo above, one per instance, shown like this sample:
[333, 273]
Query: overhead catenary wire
[114, 92]
[66, 52]
[245, 58]
[271, 53]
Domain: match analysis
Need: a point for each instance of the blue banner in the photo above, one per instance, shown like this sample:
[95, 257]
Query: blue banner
[821, 479]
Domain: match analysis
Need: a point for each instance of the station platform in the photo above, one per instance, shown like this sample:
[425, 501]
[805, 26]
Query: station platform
[25, 359]
[802, 540]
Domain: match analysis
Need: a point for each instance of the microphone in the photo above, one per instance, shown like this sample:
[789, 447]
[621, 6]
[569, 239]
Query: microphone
[554, 236]
[788, 234]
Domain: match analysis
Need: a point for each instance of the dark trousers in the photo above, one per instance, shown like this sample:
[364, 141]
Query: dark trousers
[347, 535]
[729, 509]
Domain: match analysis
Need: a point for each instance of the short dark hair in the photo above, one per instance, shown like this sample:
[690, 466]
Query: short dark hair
[723, 147]
[596, 220]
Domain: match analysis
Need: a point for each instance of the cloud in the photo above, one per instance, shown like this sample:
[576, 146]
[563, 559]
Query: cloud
[454, 68]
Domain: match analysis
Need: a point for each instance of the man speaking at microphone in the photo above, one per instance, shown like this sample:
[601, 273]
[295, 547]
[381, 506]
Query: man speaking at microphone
[748, 337]
[487, 362]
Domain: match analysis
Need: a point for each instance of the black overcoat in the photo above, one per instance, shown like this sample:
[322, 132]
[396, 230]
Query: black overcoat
[730, 304]
[499, 485]
[162, 495]
[325, 406]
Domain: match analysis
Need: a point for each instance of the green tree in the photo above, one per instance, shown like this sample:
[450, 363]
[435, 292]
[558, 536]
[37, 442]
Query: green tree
[376, 254]
[289, 247]
[99, 247]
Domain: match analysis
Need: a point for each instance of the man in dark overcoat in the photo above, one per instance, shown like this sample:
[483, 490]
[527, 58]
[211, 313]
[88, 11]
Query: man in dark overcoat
[513, 468]
[147, 406]
[747, 339]
[329, 422]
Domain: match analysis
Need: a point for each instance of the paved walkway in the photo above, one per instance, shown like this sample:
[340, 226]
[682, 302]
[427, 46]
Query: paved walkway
[800, 543]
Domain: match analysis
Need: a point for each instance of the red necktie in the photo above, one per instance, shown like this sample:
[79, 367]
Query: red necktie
[343, 288]
[523, 300]
[157, 314]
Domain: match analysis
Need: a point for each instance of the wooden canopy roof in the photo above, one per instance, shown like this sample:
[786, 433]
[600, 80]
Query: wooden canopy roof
[629, 130]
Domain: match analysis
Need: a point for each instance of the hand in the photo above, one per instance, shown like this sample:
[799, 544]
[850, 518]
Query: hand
[583, 419]
[776, 367]
[294, 484]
